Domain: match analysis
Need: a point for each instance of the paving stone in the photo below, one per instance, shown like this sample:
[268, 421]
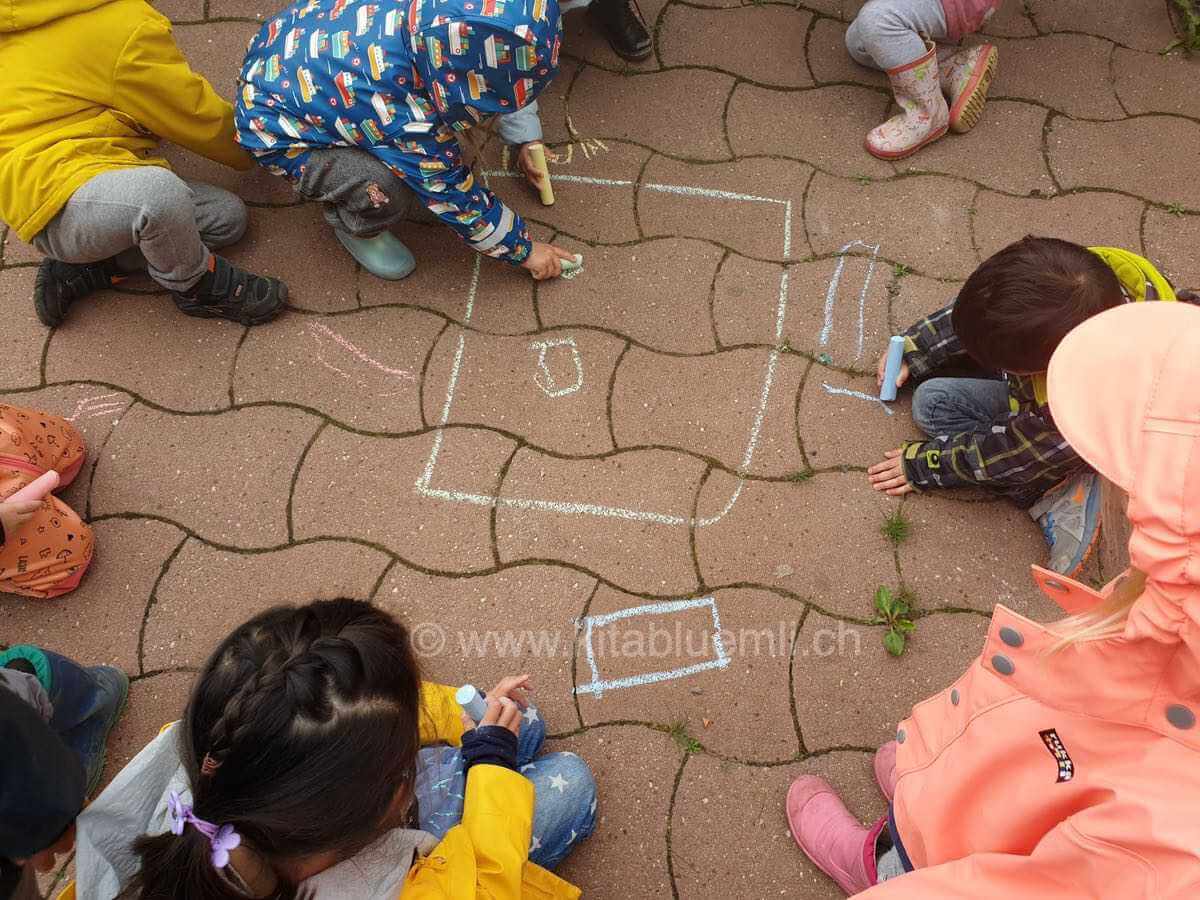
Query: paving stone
[777, 534]
[1082, 89]
[1009, 20]
[755, 226]
[154, 701]
[598, 211]
[206, 593]
[182, 362]
[635, 771]
[711, 405]
[552, 102]
[839, 211]
[1003, 151]
[181, 10]
[1091, 218]
[760, 43]
[1157, 84]
[617, 516]
[658, 109]
[296, 245]
[255, 185]
[364, 488]
[751, 853]
[839, 429]
[14, 251]
[824, 126]
[831, 61]
[362, 369]
[1173, 243]
[584, 39]
[482, 629]
[24, 336]
[551, 389]
[916, 298]
[857, 701]
[845, 10]
[216, 50]
[99, 622]
[974, 571]
[226, 477]
[656, 293]
[1141, 24]
[243, 9]
[741, 709]
[1155, 150]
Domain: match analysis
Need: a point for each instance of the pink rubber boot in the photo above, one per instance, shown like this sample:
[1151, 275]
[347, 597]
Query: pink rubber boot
[924, 115]
[830, 836]
[965, 77]
[885, 769]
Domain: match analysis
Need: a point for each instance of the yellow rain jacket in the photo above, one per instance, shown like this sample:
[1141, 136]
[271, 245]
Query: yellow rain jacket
[90, 86]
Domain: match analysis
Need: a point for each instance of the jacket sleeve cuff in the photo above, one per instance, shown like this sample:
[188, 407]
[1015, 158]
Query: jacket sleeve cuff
[491, 745]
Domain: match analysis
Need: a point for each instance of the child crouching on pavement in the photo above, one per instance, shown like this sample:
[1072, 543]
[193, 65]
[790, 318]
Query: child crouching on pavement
[988, 420]
[363, 113]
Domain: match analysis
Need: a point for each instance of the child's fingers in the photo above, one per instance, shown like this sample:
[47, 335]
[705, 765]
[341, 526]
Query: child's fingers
[494, 710]
[893, 454]
[906, 488]
[893, 482]
[467, 722]
[885, 472]
[510, 717]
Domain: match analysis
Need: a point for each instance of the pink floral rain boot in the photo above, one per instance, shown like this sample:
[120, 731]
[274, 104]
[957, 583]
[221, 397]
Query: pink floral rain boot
[924, 115]
[965, 76]
[832, 838]
[885, 769]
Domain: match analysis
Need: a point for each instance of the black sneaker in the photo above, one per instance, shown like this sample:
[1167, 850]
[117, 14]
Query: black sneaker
[60, 284]
[229, 292]
[625, 27]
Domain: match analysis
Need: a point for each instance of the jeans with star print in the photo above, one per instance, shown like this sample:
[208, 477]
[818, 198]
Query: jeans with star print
[564, 811]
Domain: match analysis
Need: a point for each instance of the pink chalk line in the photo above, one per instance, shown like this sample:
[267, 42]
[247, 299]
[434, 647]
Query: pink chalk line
[317, 328]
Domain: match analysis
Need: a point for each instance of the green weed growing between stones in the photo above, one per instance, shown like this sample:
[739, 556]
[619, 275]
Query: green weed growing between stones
[896, 527]
[894, 611]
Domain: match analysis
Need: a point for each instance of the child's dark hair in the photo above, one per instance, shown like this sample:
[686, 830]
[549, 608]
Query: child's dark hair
[1020, 303]
[308, 717]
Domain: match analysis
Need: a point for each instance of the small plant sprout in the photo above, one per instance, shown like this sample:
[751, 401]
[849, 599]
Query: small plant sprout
[863, 179]
[800, 475]
[1175, 209]
[899, 270]
[894, 612]
[686, 742]
[895, 527]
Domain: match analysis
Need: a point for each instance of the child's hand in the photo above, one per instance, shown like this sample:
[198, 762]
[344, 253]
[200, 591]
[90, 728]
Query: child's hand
[545, 261]
[504, 704]
[888, 476]
[14, 514]
[531, 172]
[900, 379]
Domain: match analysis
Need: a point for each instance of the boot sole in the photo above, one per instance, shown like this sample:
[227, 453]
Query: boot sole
[969, 106]
[200, 311]
[884, 154]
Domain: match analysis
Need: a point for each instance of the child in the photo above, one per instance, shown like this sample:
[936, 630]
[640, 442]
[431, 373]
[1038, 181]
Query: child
[898, 36]
[994, 430]
[1066, 761]
[55, 717]
[361, 113]
[45, 547]
[89, 87]
[295, 768]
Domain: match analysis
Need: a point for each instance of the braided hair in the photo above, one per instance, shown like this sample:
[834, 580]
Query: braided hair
[301, 732]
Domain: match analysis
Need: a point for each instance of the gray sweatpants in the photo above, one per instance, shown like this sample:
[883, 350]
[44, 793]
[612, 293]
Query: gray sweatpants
[886, 34]
[147, 217]
[358, 193]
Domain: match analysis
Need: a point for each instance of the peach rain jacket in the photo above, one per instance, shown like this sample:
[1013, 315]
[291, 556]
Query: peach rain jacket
[1077, 774]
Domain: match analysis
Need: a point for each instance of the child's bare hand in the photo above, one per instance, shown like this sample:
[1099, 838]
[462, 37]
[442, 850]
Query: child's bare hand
[888, 476]
[514, 687]
[500, 711]
[879, 370]
[545, 261]
[15, 513]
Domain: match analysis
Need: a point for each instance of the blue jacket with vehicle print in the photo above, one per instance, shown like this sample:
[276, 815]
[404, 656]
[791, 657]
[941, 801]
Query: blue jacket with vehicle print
[398, 79]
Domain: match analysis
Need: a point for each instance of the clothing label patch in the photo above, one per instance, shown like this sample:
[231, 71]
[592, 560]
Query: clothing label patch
[1066, 766]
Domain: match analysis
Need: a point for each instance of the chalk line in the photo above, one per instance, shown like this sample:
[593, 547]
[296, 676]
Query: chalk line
[98, 406]
[598, 686]
[547, 383]
[835, 283]
[684, 190]
[319, 328]
[859, 395]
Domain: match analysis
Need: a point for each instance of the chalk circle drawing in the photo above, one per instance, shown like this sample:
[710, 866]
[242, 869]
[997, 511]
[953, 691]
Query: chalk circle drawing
[100, 405]
[858, 395]
[599, 685]
[835, 283]
[544, 378]
[322, 333]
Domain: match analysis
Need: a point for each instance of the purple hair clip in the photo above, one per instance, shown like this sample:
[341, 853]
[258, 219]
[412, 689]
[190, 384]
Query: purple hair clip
[223, 839]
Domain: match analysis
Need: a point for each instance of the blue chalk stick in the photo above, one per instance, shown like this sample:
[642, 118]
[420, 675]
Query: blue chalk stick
[887, 391]
[471, 701]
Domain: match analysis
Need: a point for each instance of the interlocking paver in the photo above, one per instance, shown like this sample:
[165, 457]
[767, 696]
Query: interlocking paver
[216, 50]
[181, 10]
[99, 622]
[242, 9]
[817, 126]
[226, 476]
[206, 592]
[1155, 151]
[778, 534]
[1142, 24]
[362, 370]
[741, 709]
[1082, 89]
[760, 43]
[756, 855]
[844, 429]
[916, 297]
[1091, 218]
[829, 61]
[1173, 243]
[1010, 20]
[583, 39]
[255, 185]
[154, 701]
[1150, 83]
[14, 251]
[24, 336]
[855, 697]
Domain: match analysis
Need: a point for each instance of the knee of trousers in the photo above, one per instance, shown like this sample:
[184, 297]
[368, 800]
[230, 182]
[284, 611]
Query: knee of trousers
[228, 223]
[927, 400]
[581, 792]
[165, 197]
[870, 30]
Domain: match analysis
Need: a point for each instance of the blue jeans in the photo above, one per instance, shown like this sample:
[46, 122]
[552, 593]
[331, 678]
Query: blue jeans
[945, 406]
[564, 811]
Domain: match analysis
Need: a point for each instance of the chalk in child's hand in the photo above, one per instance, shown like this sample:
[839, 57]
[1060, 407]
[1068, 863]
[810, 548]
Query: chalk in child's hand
[472, 702]
[891, 370]
[572, 267]
[537, 153]
[36, 489]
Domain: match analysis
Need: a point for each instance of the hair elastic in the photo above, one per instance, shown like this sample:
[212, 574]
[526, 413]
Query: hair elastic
[223, 838]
